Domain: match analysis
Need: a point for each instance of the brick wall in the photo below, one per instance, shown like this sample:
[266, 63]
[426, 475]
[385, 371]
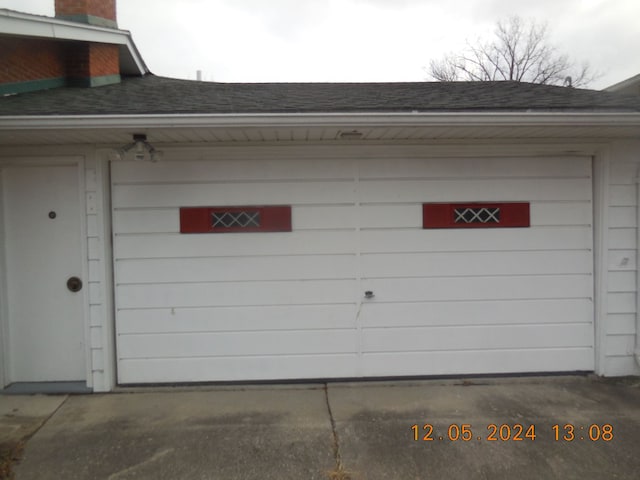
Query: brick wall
[97, 8]
[103, 60]
[88, 60]
[29, 59]
[77, 60]
[24, 60]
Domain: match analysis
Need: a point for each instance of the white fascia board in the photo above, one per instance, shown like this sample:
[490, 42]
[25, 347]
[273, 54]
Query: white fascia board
[25, 25]
[322, 120]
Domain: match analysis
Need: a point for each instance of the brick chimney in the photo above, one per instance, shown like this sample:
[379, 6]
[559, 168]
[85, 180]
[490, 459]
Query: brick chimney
[93, 12]
[91, 64]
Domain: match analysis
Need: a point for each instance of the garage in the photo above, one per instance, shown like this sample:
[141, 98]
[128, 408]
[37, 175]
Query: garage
[242, 232]
[322, 263]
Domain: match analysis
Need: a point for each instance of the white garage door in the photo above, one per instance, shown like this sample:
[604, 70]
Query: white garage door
[291, 305]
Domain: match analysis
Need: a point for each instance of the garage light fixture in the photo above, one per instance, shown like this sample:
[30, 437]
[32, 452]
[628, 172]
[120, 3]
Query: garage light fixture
[143, 150]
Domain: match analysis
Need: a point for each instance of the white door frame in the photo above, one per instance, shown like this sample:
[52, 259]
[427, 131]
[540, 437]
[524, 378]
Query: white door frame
[600, 177]
[18, 161]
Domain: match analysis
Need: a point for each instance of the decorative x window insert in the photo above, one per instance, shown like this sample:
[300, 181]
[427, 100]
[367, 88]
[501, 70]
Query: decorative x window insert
[241, 219]
[477, 215]
[236, 219]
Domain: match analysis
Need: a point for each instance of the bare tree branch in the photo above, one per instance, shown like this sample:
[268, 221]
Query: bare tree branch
[519, 52]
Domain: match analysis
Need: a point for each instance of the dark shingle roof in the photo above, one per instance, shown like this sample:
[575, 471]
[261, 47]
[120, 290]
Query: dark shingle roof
[158, 95]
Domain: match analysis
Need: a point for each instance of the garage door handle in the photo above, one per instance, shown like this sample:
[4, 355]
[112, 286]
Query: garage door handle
[368, 294]
[74, 284]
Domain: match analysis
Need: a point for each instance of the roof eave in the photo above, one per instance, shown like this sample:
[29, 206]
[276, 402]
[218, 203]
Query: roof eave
[511, 119]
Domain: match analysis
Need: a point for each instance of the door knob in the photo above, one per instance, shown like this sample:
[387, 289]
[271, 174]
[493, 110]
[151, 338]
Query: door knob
[74, 284]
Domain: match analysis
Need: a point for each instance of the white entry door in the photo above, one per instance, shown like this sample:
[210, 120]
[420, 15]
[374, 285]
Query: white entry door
[44, 266]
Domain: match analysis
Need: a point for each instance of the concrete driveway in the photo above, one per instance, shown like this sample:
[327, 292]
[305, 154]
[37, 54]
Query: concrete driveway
[342, 431]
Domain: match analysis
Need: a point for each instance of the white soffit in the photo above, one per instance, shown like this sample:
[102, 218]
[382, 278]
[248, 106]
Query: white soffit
[258, 128]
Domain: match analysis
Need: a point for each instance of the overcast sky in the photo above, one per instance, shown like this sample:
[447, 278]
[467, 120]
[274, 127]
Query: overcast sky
[356, 40]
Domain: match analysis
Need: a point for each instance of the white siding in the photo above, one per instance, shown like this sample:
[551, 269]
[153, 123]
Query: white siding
[4, 344]
[621, 282]
[100, 355]
[290, 305]
[94, 284]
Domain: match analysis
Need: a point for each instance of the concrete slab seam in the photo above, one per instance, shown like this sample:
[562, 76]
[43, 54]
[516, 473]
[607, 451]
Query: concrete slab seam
[44, 422]
[26, 438]
[336, 440]
[339, 472]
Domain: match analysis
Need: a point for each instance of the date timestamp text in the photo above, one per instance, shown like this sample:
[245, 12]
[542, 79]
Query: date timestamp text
[465, 432]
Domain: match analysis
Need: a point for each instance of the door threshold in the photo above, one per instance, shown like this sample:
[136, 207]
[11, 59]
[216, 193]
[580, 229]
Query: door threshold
[47, 388]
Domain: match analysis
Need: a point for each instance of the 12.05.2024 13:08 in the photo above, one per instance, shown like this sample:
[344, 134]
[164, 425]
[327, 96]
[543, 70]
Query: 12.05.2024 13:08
[517, 432]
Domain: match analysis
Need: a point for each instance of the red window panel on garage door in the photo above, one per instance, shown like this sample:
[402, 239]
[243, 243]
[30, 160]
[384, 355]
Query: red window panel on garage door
[235, 219]
[475, 215]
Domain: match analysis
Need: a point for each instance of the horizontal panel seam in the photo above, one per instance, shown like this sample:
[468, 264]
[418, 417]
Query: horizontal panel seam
[518, 349]
[295, 180]
[297, 355]
[257, 305]
[332, 279]
[480, 326]
[236, 332]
